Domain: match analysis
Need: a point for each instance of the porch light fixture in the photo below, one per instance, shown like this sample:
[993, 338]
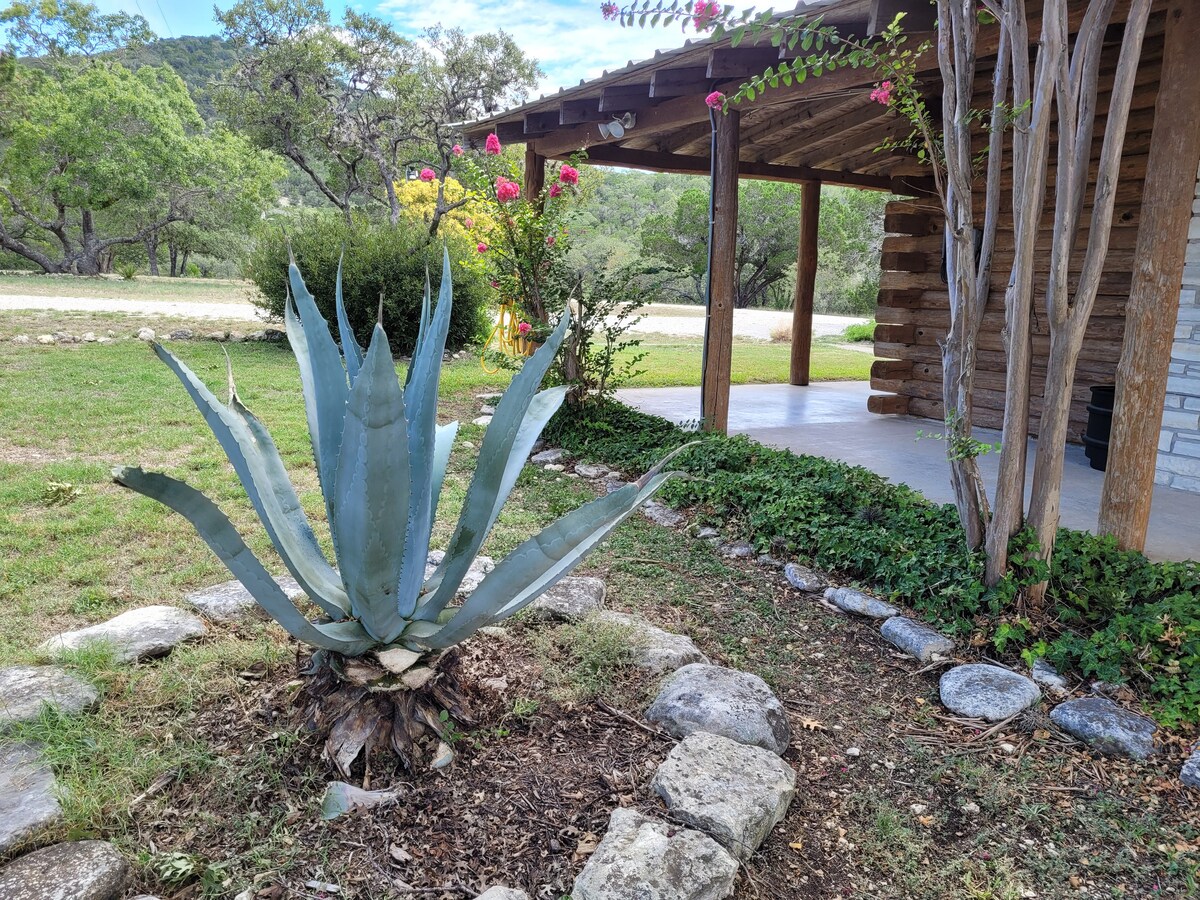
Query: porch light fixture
[618, 126]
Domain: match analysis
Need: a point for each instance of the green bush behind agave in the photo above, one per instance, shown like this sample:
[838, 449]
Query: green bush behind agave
[376, 258]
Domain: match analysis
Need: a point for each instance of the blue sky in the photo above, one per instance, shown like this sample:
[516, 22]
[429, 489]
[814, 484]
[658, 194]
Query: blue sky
[568, 37]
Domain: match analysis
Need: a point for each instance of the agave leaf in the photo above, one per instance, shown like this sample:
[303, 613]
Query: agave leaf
[422, 326]
[420, 400]
[324, 381]
[535, 566]
[218, 532]
[372, 492]
[351, 352]
[443, 443]
[256, 461]
[506, 443]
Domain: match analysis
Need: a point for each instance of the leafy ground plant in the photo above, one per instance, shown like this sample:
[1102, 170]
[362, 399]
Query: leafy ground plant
[383, 674]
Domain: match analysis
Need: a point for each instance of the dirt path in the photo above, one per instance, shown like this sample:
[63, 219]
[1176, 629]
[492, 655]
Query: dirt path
[688, 321]
[196, 310]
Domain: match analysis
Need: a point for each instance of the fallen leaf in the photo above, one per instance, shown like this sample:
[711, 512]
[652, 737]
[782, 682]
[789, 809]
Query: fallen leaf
[811, 724]
[797, 845]
[925, 820]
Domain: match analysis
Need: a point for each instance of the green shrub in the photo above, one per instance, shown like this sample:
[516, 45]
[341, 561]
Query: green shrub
[379, 258]
[1111, 614]
[860, 331]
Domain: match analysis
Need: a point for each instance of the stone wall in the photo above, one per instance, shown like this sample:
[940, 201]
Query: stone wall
[1179, 442]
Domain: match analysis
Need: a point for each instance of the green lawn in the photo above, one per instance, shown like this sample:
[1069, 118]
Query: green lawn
[675, 361]
[143, 287]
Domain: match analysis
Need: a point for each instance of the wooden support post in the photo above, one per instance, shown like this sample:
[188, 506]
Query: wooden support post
[722, 276]
[1153, 304]
[535, 173]
[806, 281]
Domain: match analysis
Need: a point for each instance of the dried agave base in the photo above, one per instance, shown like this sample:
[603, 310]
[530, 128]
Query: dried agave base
[360, 706]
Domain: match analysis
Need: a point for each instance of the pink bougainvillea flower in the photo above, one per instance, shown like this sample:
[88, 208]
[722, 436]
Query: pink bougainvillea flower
[492, 145]
[609, 10]
[456, 150]
[703, 12]
[568, 175]
[482, 247]
[524, 328]
[550, 240]
[495, 283]
[883, 93]
[507, 191]
[427, 174]
[715, 100]
[556, 190]
[468, 223]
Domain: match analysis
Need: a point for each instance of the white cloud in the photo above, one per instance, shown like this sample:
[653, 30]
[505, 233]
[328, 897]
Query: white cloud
[569, 39]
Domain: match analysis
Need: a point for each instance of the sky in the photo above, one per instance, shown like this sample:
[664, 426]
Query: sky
[567, 37]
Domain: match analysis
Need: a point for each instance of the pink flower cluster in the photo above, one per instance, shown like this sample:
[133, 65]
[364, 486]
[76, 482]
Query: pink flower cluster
[556, 190]
[703, 12]
[883, 93]
[715, 100]
[457, 150]
[427, 175]
[506, 190]
[524, 328]
[492, 145]
[568, 174]
[610, 11]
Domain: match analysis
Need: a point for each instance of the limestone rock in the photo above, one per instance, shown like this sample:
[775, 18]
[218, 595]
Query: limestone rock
[497, 892]
[553, 455]
[1110, 729]
[767, 561]
[736, 550]
[88, 337]
[217, 336]
[803, 578]
[852, 601]
[24, 690]
[229, 601]
[555, 467]
[573, 598]
[732, 792]
[707, 533]
[654, 648]
[987, 692]
[65, 337]
[1190, 773]
[480, 567]
[487, 410]
[45, 339]
[588, 470]
[182, 334]
[1047, 676]
[641, 858]
[136, 634]
[145, 334]
[483, 421]
[489, 397]
[81, 870]
[398, 660]
[20, 339]
[662, 515]
[735, 705]
[915, 639]
[27, 795]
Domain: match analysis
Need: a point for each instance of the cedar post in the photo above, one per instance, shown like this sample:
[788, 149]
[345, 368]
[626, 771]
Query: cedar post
[535, 173]
[806, 281]
[1153, 304]
[722, 275]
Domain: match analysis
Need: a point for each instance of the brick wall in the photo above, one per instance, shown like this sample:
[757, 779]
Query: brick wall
[1179, 441]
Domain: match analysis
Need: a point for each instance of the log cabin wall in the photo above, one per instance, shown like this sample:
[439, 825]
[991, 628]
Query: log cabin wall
[913, 306]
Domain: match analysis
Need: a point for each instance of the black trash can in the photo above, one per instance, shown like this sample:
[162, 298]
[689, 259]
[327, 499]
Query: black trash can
[1099, 425]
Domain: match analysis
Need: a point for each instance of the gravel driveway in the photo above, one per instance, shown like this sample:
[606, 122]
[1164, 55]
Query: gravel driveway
[245, 311]
[688, 321]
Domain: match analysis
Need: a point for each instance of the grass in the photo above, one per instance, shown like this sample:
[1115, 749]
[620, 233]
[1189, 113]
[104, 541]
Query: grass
[1051, 818]
[860, 331]
[143, 287]
[676, 361]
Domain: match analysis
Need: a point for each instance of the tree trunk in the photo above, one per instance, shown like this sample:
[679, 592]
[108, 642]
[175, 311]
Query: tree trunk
[152, 252]
[183, 261]
[173, 253]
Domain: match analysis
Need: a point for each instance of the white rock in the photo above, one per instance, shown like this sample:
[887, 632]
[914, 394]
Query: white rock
[487, 410]
[915, 639]
[145, 334]
[852, 601]
[45, 339]
[986, 692]
[398, 659]
[1108, 728]
[82, 870]
[573, 598]
[482, 420]
[803, 578]
[20, 339]
[643, 859]
[498, 892]
[853, 752]
[26, 690]
[479, 568]
[103, 340]
[136, 634]
[653, 648]
[736, 550]
[88, 337]
[587, 470]
[732, 792]
[1047, 676]
[28, 795]
[970, 808]
[554, 467]
[733, 704]
[553, 455]
[662, 515]
[488, 397]
[1190, 773]
[229, 601]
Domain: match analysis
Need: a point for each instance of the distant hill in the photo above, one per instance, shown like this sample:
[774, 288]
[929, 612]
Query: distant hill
[199, 61]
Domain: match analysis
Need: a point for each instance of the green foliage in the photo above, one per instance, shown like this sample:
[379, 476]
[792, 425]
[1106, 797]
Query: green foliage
[127, 270]
[583, 661]
[1111, 614]
[380, 259]
[860, 331]
[381, 460]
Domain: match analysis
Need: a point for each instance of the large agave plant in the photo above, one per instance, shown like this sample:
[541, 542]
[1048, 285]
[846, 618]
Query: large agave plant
[381, 459]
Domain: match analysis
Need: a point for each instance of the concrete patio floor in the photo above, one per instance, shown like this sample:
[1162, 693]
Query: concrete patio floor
[830, 419]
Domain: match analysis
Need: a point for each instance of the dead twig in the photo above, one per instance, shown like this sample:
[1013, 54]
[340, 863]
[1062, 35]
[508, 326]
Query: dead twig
[662, 736]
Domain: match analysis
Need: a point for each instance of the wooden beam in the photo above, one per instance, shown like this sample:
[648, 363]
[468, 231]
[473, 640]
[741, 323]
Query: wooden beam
[1153, 305]
[678, 82]
[575, 112]
[654, 161]
[535, 174]
[887, 404]
[625, 97]
[806, 281]
[738, 62]
[541, 122]
[722, 277]
[919, 15]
